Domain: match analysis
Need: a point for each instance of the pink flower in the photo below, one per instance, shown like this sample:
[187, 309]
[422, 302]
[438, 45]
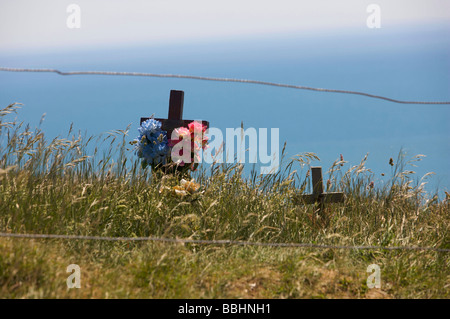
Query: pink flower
[195, 135]
[196, 127]
[183, 133]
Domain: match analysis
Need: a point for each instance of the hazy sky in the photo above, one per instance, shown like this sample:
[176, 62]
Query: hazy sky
[41, 25]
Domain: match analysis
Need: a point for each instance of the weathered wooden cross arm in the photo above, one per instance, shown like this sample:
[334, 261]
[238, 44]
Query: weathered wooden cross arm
[318, 196]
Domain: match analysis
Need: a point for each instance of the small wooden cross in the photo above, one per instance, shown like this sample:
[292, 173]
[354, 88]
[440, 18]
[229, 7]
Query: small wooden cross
[318, 196]
[175, 118]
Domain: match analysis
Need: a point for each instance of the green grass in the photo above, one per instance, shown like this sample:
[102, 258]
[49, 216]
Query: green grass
[94, 186]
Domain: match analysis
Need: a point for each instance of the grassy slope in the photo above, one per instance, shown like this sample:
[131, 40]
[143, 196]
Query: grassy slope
[53, 187]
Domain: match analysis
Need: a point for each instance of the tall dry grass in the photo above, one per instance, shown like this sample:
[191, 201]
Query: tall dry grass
[83, 185]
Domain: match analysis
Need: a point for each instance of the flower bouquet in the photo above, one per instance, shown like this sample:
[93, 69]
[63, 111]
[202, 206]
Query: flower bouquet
[178, 154]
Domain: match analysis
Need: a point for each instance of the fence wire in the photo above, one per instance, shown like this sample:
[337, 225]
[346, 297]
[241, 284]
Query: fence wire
[204, 78]
[219, 242]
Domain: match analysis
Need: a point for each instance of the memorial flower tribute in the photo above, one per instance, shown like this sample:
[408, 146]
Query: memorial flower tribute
[157, 151]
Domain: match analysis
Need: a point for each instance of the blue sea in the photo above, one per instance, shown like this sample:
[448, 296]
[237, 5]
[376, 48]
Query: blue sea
[406, 63]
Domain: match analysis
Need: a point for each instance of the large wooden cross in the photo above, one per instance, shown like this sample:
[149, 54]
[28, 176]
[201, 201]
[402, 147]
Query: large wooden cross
[319, 196]
[175, 118]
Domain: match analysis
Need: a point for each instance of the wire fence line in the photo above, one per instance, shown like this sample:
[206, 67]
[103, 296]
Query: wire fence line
[204, 78]
[219, 242]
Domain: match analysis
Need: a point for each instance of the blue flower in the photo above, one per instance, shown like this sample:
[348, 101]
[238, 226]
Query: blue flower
[150, 128]
[152, 144]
